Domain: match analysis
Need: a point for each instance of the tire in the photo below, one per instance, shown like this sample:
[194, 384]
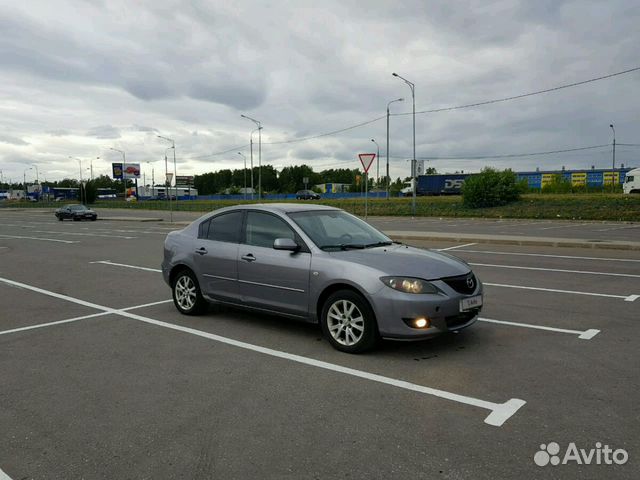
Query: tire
[60, 218]
[346, 307]
[93, 219]
[186, 293]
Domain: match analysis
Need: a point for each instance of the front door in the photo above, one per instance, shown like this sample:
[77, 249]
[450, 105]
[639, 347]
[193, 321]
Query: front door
[273, 279]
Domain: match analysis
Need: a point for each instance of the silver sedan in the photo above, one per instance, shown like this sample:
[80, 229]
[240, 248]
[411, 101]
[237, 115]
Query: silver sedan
[323, 265]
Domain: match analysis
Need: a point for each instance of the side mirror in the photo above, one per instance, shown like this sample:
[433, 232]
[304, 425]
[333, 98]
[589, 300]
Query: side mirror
[285, 244]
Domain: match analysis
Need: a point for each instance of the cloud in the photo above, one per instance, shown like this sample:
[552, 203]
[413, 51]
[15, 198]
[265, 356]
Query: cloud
[104, 132]
[129, 71]
[12, 140]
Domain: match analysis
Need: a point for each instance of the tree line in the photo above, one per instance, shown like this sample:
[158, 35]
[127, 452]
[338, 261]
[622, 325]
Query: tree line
[286, 180]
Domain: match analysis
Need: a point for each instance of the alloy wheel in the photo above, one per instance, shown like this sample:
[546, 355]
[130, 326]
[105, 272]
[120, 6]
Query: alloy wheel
[345, 322]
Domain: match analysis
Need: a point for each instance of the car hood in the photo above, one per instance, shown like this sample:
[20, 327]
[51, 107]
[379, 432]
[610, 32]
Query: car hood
[406, 261]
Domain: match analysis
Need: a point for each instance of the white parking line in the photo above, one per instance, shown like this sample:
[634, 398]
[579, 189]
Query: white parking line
[4, 476]
[500, 412]
[560, 270]
[626, 298]
[617, 228]
[455, 247]
[84, 317]
[109, 262]
[49, 324]
[584, 335]
[39, 238]
[82, 234]
[576, 257]
[567, 226]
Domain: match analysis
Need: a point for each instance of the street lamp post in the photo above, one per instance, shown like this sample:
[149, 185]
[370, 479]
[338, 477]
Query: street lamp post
[79, 160]
[91, 164]
[175, 170]
[259, 125]
[377, 161]
[613, 163]
[167, 183]
[24, 181]
[388, 177]
[245, 174]
[153, 180]
[413, 159]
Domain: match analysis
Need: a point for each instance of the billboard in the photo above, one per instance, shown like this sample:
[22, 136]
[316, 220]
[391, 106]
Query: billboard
[131, 170]
[184, 179]
[116, 168]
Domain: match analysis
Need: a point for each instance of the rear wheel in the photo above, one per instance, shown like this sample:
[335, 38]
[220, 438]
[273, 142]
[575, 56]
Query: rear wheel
[186, 294]
[348, 322]
[60, 218]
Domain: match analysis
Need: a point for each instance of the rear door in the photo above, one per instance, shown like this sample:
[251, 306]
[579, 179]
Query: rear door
[216, 255]
[273, 279]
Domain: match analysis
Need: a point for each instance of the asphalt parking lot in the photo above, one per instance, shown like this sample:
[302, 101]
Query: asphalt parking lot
[101, 377]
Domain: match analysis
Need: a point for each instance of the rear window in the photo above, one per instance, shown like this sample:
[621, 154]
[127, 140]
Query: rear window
[222, 228]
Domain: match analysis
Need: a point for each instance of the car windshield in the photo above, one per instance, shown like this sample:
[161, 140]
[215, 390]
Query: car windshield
[338, 230]
[78, 208]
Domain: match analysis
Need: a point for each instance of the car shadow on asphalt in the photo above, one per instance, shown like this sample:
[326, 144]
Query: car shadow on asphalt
[445, 344]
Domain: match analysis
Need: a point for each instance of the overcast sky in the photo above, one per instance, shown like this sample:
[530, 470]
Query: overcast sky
[79, 77]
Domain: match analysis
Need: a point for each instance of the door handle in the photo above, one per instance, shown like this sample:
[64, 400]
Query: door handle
[201, 251]
[249, 257]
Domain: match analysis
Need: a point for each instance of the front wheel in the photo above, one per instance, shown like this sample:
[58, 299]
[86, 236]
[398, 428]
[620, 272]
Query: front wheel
[186, 294]
[348, 322]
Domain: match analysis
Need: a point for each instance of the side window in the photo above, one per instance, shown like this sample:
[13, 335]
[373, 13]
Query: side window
[262, 229]
[203, 229]
[225, 227]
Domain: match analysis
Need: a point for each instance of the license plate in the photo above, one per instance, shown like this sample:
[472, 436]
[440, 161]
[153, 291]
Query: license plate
[471, 302]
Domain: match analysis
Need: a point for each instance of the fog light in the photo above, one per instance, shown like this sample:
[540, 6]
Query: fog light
[421, 323]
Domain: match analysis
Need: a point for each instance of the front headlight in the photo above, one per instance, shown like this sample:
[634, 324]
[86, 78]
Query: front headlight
[409, 284]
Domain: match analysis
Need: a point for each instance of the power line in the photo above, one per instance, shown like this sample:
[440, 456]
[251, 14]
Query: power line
[530, 94]
[334, 132]
[220, 153]
[514, 155]
[444, 109]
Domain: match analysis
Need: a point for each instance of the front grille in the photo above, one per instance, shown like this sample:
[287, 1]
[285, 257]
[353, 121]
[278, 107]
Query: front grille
[462, 318]
[462, 284]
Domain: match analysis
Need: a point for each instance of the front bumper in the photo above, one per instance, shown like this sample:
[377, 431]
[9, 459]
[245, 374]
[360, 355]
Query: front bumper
[442, 310]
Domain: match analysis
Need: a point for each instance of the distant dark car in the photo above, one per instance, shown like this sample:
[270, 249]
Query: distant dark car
[307, 195]
[76, 212]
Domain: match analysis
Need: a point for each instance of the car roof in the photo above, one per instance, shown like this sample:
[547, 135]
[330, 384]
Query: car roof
[279, 207]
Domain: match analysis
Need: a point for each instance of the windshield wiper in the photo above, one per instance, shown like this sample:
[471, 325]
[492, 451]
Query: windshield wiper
[378, 244]
[344, 246]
